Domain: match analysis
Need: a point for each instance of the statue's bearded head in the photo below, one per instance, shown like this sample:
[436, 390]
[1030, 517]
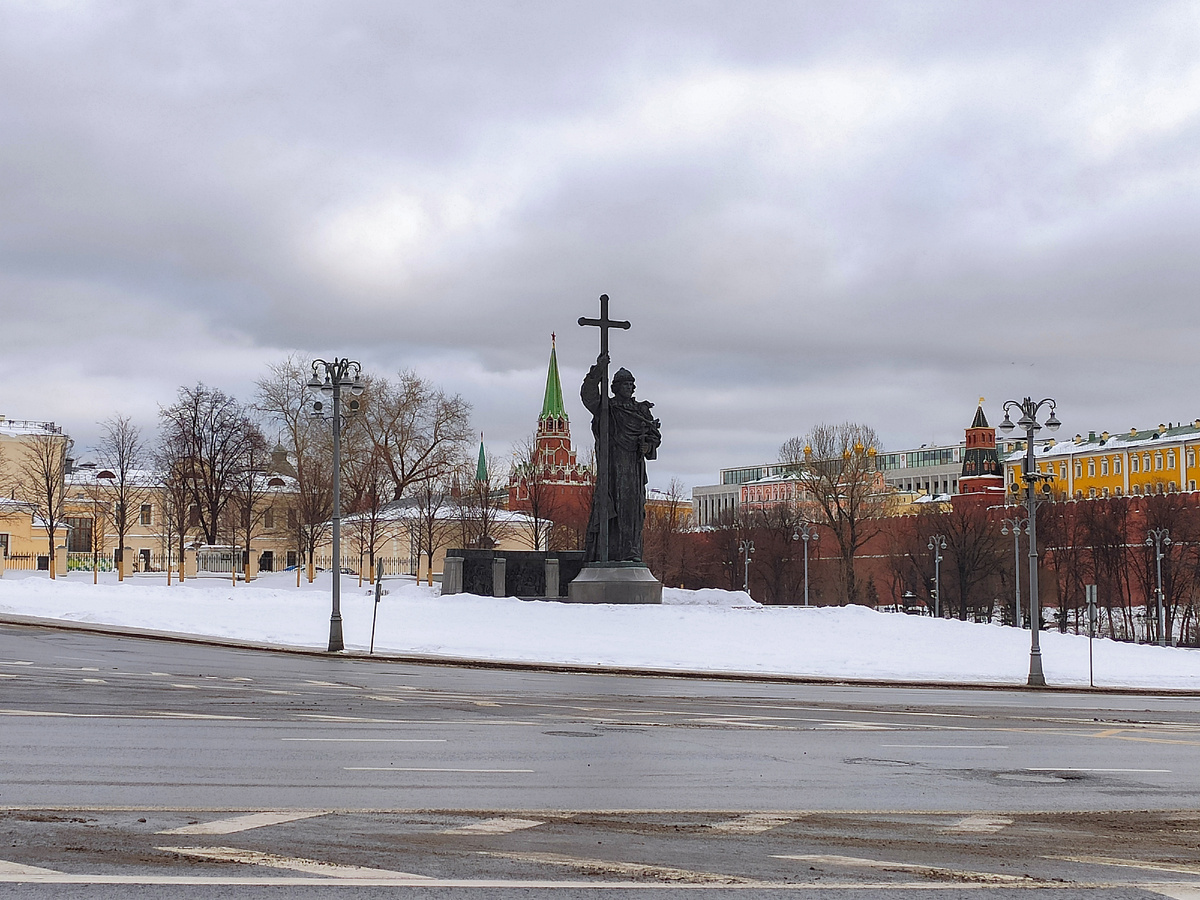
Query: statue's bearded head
[622, 384]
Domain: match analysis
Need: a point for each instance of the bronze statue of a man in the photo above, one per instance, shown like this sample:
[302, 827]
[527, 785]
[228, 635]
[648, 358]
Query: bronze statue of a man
[633, 438]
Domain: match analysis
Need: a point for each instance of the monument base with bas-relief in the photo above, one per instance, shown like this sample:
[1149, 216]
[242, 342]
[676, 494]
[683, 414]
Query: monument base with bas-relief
[614, 582]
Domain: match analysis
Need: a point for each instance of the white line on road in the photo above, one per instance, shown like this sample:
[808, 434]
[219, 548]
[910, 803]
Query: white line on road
[978, 825]
[1069, 769]
[947, 746]
[12, 868]
[628, 869]
[370, 740]
[916, 868]
[243, 823]
[293, 863]
[503, 825]
[1179, 868]
[753, 823]
[414, 769]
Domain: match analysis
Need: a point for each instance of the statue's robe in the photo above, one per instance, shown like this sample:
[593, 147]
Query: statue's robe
[633, 438]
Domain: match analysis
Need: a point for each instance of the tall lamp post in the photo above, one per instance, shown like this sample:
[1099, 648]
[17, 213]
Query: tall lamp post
[1031, 476]
[805, 532]
[747, 548]
[1015, 524]
[339, 374]
[1156, 538]
[937, 544]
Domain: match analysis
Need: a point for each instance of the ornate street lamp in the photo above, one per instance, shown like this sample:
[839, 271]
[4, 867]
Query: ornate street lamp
[339, 374]
[1015, 524]
[1031, 476]
[747, 550]
[937, 544]
[805, 532]
[1156, 538]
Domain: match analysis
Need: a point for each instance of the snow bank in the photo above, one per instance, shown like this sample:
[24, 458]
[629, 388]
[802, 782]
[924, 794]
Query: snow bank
[708, 630]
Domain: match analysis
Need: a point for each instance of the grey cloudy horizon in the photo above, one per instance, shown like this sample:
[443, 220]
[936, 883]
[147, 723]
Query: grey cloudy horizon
[810, 211]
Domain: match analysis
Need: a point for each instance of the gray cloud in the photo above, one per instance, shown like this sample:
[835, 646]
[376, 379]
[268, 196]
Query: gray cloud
[810, 211]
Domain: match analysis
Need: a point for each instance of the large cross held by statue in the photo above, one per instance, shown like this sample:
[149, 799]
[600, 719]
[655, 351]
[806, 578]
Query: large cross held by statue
[604, 323]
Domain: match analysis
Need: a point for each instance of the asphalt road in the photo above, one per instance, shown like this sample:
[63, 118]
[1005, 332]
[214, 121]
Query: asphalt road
[135, 767]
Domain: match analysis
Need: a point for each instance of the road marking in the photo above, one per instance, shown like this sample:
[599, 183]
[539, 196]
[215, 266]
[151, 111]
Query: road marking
[415, 769]
[1179, 868]
[1174, 891]
[503, 825]
[915, 868]
[292, 863]
[243, 823]
[180, 715]
[948, 746]
[154, 715]
[635, 870]
[753, 823]
[12, 868]
[5, 675]
[190, 687]
[370, 740]
[344, 687]
[1068, 769]
[978, 825]
[855, 726]
[93, 681]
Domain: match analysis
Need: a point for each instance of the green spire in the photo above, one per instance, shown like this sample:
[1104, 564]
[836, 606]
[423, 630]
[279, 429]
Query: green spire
[552, 405]
[481, 472]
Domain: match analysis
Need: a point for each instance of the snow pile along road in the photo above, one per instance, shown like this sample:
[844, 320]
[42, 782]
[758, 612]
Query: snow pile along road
[709, 630]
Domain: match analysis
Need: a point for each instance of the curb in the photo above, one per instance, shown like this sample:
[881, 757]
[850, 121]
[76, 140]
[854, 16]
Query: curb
[569, 668]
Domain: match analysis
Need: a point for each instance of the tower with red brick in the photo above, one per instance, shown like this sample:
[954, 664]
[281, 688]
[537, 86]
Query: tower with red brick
[982, 472]
[552, 478]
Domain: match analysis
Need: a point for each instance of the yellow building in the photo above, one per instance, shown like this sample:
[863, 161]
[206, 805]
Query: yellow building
[1135, 463]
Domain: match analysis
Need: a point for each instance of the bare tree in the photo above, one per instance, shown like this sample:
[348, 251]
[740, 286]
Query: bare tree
[433, 526]
[216, 435]
[122, 452]
[536, 494]
[176, 521]
[43, 482]
[285, 399]
[418, 429]
[252, 496]
[664, 550]
[372, 519]
[834, 466]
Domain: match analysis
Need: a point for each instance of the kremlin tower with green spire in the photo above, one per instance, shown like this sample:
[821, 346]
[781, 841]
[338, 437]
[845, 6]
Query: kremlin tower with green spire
[552, 478]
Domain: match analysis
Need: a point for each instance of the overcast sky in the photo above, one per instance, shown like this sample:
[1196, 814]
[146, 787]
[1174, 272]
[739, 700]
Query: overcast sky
[810, 211]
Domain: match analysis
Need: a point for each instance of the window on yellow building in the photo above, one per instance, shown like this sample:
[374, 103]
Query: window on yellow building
[1091, 468]
[1116, 465]
[1191, 458]
[1118, 491]
[1106, 493]
[1145, 462]
[1062, 470]
[1171, 486]
[1158, 462]
[1104, 466]
[1133, 464]
[1091, 493]
[1078, 469]
[147, 515]
[1170, 459]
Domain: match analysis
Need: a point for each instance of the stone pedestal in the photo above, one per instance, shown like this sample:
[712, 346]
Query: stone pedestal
[499, 565]
[60, 562]
[452, 575]
[552, 584]
[615, 583]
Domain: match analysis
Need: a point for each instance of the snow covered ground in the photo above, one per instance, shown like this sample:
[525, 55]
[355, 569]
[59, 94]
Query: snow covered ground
[707, 630]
